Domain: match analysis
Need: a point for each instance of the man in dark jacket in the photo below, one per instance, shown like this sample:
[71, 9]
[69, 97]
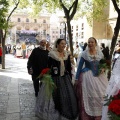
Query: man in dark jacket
[36, 63]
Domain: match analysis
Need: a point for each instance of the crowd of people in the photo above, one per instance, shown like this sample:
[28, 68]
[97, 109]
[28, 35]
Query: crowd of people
[82, 99]
[20, 49]
[79, 100]
[23, 50]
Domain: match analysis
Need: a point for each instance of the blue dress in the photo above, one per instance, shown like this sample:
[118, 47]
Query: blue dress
[91, 86]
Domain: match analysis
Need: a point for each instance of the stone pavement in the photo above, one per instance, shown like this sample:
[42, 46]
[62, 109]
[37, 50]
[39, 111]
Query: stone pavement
[17, 100]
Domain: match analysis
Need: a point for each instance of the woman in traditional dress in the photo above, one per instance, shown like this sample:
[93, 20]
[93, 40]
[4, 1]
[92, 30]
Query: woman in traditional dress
[63, 103]
[90, 85]
[18, 50]
[113, 87]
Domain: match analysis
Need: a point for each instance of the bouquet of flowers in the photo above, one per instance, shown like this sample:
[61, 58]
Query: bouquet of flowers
[103, 64]
[113, 104]
[46, 78]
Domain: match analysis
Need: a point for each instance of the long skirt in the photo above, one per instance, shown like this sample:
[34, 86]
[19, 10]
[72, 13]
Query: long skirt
[63, 103]
[18, 52]
[90, 92]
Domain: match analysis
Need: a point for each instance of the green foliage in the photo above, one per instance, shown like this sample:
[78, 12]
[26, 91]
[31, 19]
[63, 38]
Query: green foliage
[47, 80]
[3, 11]
[49, 85]
[79, 13]
[50, 6]
[99, 6]
[113, 106]
[45, 5]
[108, 100]
[118, 2]
[89, 8]
[24, 3]
[113, 116]
[93, 9]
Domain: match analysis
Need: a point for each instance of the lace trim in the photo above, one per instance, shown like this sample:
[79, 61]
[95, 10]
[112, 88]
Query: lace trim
[86, 55]
[54, 55]
[92, 97]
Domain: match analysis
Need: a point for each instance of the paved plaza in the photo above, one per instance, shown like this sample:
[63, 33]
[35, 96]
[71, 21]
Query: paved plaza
[17, 100]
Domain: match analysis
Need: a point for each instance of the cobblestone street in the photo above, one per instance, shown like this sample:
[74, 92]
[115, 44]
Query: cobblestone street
[17, 100]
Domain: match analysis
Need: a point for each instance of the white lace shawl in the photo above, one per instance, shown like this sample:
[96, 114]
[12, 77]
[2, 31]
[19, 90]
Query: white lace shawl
[54, 54]
[86, 55]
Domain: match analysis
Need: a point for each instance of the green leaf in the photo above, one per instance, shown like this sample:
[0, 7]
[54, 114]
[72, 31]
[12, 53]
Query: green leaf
[49, 85]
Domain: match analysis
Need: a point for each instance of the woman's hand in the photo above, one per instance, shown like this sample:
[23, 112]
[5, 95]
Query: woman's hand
[102, 71]
[72, 59]
[30, 71]
[76, 82]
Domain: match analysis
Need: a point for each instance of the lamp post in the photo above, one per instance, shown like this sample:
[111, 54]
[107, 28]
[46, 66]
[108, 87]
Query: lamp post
[15, 36]
[65, 26]
[65, 30]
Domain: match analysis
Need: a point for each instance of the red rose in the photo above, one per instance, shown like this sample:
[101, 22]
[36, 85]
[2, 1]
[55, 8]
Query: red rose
[117, 96]
[45, 71]
[114, 106]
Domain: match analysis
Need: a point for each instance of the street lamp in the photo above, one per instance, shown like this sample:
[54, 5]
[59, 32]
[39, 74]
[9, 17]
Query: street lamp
[64, 29]
[65, 25]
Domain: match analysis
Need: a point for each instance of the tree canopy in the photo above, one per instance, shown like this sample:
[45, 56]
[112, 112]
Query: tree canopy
[90, 8]
[3, 11]
[5, 14]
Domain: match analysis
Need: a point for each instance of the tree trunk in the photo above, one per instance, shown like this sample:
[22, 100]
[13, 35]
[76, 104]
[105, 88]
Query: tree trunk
[70, 36]
[115, 36]
[113, 43]
[69, 14]
[0, 36]
[3, 53]
[2, 40]
[3, 47]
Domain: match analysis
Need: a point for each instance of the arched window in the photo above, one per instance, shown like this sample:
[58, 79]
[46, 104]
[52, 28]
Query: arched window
[35, 20]
[44, 21]
[18, 28]
[19, 19]
[27, 20]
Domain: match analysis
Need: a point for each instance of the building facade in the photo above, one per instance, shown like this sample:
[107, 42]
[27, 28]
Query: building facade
[81, 30]
[29, 29]
[104, 30]
[42, 27]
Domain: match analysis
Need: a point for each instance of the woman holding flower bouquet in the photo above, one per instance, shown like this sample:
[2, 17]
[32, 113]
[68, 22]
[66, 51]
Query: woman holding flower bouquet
[58, 101]
[91, 82]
